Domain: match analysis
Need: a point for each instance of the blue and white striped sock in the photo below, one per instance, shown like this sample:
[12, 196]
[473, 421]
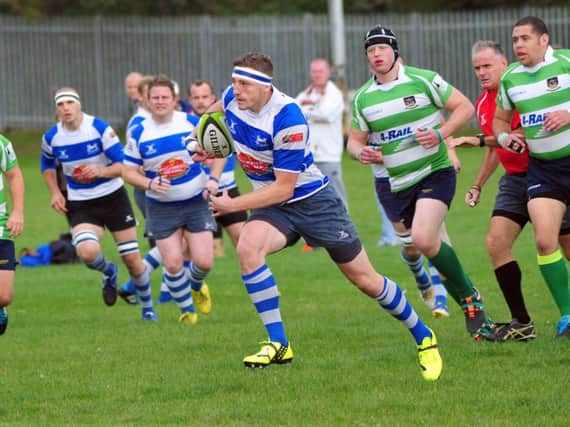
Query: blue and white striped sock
[101, 264]
[142, 285]
[438, 287]
[264, 294]
[418, 270]
[153, 259]
[179, 287]
[393, 300]
[197, 276]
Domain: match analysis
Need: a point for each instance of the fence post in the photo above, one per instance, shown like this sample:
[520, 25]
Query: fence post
[97, 30]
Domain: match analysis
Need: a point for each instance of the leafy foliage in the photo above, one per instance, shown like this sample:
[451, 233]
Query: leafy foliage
[41, 8]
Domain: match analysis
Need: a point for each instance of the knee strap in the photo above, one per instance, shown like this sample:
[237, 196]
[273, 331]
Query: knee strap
[127, 247]
[405, 239]
[83, 237]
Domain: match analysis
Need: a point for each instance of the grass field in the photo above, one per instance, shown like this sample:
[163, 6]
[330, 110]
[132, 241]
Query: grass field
[67, 359]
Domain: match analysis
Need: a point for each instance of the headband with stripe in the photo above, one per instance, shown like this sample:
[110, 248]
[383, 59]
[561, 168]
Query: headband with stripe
[66, 96]
[252, 75]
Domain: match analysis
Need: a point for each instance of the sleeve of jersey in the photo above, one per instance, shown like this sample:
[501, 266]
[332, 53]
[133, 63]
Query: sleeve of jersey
[112, 145]
[8, 159]
[132, 153]
[358, 122]
[47, 159]
[192, 119]
[228, 96]
[503, 100]
[290, 135]
[440, 90]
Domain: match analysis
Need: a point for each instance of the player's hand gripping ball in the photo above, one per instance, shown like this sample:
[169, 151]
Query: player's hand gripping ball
[213, 135]
[80, 176]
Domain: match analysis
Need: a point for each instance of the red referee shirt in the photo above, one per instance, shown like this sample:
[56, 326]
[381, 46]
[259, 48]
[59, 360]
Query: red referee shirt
[485, 108]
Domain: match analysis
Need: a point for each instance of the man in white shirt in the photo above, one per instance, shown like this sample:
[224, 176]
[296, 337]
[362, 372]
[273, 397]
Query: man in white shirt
[322, 104]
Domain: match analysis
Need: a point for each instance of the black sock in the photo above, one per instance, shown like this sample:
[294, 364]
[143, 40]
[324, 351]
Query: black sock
[509, 278]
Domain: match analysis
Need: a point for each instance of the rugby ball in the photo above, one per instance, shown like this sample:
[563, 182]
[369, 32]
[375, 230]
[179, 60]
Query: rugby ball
[214, 136]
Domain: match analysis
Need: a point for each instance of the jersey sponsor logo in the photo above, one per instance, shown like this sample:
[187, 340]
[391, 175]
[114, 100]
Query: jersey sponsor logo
[552, 84]
[293, 137]
[394, 134]
[173, 168]
[532, 119]
[63, 155]
[343, 234]
[254, 166]
[410, 102]
[129, 218]
[260, 141]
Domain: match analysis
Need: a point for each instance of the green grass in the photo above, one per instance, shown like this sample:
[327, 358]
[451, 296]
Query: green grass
[67, 359]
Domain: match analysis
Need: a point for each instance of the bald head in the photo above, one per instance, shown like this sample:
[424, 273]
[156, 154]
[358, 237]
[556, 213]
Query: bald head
[132, 84]
[320, 72]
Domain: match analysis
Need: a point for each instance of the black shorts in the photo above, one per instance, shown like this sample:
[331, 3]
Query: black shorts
[401, 206]
[232, 218]
[113, 211]
[7, 255]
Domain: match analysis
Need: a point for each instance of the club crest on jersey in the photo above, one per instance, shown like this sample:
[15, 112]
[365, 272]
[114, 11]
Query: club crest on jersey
[173, 168]
[91, 148]
[410, 102]
[150, 149]
[552, 84]
[231, 126]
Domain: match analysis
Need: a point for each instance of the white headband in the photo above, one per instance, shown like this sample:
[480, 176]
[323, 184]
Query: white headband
[252, 75]
[66, 96]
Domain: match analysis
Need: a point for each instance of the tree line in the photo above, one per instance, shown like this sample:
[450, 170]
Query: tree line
[43, 8]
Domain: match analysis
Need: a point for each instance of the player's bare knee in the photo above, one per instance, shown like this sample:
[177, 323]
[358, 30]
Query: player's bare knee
[86, 245]
[249, 253]
[545, 245]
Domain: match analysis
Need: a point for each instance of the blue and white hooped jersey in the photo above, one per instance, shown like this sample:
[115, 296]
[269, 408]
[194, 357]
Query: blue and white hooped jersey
[160, 149]
[94, 143]
[140, 115]
[275, 139]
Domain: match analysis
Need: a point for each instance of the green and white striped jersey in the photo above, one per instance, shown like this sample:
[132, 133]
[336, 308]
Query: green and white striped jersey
[392, 112]
[7, 161]
[536, 91]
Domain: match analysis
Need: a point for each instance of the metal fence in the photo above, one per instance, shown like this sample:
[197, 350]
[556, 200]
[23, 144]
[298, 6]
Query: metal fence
[94, 54]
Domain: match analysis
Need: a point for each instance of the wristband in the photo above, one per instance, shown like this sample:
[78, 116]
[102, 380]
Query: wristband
[149, 186]
[481, 137]
[476, 187]
[439, 135]
[213, 178]
[501, 138]
[358, 153]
